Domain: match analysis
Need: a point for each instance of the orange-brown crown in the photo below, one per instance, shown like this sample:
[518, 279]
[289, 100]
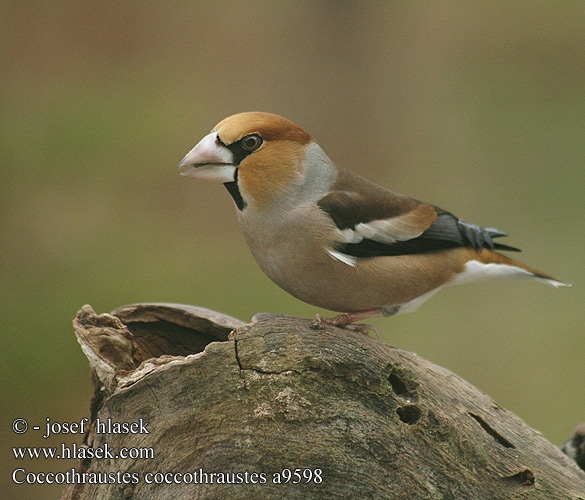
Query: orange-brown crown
[270, 127]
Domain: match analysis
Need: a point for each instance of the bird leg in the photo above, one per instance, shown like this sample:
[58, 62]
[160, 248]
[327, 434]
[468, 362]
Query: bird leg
[347, 320]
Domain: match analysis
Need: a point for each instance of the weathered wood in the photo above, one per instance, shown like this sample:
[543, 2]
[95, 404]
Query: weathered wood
[288, 393]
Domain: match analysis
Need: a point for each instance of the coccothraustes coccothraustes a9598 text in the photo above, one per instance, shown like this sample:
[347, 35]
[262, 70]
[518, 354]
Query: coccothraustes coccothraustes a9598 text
[332, 238]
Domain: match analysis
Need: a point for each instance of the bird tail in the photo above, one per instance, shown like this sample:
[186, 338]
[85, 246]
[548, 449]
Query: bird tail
[490, 257]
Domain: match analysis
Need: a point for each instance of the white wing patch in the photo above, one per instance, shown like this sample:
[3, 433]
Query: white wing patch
[351, 236]
[341, 257]
[383, 231]
[386, 231]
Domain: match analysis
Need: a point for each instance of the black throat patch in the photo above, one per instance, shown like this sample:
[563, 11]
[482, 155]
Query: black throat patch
[234, 192]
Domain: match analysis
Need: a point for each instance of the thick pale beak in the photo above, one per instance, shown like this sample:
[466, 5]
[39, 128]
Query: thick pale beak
[209, 160]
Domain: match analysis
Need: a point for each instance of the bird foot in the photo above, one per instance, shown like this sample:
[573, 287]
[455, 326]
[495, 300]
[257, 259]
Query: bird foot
[346, 321]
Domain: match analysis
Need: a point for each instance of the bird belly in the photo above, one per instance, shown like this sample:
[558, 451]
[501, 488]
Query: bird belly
[312, 275]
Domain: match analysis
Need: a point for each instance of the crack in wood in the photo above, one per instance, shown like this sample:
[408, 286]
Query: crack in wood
[491, 431]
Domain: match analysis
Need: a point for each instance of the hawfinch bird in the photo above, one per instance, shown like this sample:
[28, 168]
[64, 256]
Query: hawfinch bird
[332, 238]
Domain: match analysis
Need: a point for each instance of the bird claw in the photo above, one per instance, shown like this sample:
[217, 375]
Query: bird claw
[362, 328]
[343, 321]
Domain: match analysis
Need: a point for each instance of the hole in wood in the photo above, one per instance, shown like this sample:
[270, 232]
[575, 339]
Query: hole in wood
[398, 386]
[402, 385]
[162, 337]
[525, 477]
[409, 414]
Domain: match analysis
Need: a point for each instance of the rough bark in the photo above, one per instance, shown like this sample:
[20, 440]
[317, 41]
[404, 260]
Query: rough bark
[287, 393]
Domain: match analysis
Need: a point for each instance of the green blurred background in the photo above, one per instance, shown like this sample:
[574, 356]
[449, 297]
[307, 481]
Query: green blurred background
[477, 107]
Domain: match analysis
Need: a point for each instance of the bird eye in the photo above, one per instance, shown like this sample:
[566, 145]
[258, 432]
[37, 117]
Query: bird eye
[251, 142]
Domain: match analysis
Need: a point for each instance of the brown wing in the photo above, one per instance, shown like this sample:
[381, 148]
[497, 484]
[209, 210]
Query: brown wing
[374, 221]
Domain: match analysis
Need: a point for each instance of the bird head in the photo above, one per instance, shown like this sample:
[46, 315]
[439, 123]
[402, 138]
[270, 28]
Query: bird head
[262, 153]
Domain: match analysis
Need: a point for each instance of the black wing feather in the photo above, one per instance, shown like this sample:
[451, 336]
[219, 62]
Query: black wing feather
[447, 232]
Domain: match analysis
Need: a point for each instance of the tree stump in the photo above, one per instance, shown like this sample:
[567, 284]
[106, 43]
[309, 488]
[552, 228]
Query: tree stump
[291, 408]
